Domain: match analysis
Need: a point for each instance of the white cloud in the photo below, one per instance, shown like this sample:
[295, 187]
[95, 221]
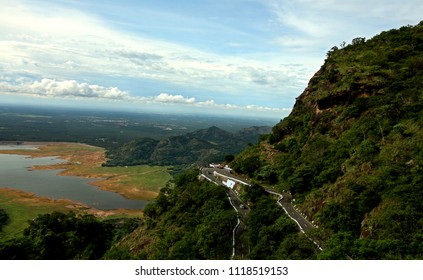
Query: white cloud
[397, 10]
[175, 99]
[48, 42]
[47, 20]
[67, 44]
[312, 25]
[298, 17]
[72, 90]
[64, 89]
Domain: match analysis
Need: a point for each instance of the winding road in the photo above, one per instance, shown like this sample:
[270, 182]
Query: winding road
[242, 210]
[284, 201]
[305, 226]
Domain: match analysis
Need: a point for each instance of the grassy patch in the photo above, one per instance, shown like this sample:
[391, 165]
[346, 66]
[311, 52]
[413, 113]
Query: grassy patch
[134, 182]
[21, 207]
[150, 178]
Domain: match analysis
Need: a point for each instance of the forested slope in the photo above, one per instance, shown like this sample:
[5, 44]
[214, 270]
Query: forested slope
[351, 154]
[199, 147]
[192, 220]
[351, 151]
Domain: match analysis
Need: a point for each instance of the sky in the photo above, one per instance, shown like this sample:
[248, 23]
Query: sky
[227, 57]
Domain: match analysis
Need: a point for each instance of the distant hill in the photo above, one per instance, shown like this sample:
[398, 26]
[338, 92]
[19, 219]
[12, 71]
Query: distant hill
[198, 147]
[351, 151]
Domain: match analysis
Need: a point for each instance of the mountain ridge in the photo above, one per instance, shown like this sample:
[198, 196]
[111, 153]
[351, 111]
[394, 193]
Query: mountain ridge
[199, 147]
[350, 151]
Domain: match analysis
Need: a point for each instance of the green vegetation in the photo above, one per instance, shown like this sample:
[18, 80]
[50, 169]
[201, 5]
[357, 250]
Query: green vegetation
[20, 208]
[198, 147]
[105, 129]
[351, 154]
[189, 220]
[134, 182]
[144, 177]
[272, 234]
[229, 158]
[4, 219]
[66, 236]
[192, 220]
[351, 151]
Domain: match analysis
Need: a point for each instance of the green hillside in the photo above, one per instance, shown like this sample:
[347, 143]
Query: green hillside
[199, 147]
[351, 151]
[192, 220]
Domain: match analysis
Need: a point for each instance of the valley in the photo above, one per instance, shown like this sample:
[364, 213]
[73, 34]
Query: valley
[112, 185]
[339, 178]
[87, 163]
[106, 128]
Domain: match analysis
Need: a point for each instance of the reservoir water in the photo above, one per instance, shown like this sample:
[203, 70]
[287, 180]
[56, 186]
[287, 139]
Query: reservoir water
[15, 173]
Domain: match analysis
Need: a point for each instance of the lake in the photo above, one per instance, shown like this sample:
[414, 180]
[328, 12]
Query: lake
[15, 172]
[17, 147]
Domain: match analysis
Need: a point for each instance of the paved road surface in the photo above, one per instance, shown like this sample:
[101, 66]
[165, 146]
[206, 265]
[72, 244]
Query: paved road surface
[239, 248]
[284, 201]
[305, 226]
[239, 205]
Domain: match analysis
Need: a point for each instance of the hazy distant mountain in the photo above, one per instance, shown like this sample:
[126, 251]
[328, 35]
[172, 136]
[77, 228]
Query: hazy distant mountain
[198, 147]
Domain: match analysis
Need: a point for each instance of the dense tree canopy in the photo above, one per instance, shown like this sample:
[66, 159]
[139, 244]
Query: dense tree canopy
[191, 220]
[351, 150]
[66, 236]
[4, 218]
[272, 234]
[351, 154]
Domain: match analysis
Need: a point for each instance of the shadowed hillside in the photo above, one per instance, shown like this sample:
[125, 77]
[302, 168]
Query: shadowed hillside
[198, 147]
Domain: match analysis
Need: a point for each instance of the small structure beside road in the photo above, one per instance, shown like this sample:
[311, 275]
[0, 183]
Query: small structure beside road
[229, 183]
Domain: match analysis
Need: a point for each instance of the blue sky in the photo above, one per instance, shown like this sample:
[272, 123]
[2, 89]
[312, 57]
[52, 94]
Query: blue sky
[250, 57]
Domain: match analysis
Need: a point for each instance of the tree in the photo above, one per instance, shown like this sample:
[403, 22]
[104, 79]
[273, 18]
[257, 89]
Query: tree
[4, 218]
[358, 41]
[338, 247]
[229, 158]
[61, 236]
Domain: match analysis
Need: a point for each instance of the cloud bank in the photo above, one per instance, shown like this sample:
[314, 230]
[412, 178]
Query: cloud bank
[256, 55]
[71, 89]
[70, 45]
[175, 99]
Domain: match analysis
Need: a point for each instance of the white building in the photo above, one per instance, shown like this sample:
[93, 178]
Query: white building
[230, 184]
